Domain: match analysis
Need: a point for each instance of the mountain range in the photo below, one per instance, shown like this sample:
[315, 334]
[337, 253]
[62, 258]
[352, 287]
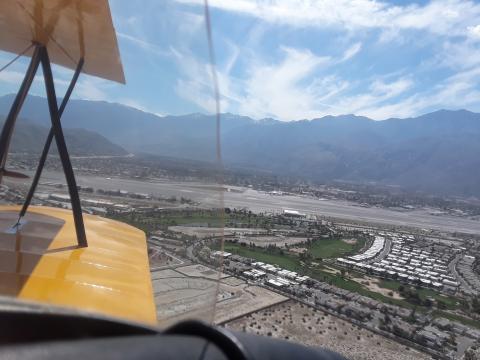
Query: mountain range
[435, 152]
[30, 138]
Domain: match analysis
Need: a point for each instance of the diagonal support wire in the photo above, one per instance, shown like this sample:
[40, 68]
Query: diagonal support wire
[8, 126]
[16, 57]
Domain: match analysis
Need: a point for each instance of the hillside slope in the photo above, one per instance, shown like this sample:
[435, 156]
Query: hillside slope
[30, 138]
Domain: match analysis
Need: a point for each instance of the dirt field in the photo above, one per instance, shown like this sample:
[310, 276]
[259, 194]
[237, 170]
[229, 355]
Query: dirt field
[158, 258]
[197, 270]
[373, 286]
[296, 322]
[191, 292]
[232, 281]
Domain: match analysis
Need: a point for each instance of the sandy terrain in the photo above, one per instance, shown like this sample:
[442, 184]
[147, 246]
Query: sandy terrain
[296, 322]
[232, 281]
[197, 270]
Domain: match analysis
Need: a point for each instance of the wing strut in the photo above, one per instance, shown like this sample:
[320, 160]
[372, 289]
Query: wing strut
[48, 142]
[40, 56]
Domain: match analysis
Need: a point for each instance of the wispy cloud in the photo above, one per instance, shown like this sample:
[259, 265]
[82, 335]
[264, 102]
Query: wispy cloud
[11, 77]
[351, 51]
[447, 17]
[145, 45]
[195, 83]
[277, 89]
[88, 87]
[457, 91]
[459, 55]
[292, 89]
[91, 88]
[297, 83]
[282, 88]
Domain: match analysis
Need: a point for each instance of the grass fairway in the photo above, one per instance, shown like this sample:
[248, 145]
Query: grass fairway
[332, 248]
[353, 286]
[449, 301]
[152, 221]
[454, 317]
[271, 257]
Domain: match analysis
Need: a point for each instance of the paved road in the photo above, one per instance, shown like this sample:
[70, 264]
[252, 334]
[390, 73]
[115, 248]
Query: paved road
[209, 195]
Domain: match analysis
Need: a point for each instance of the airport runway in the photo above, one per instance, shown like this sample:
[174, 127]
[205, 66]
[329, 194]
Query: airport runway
[209, 195]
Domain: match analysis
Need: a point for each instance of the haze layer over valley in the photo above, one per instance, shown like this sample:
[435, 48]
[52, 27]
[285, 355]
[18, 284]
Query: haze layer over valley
[436, 152]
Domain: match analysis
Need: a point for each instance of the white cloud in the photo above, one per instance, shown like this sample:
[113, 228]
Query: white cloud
[91, 88]
[375, 96]
[392, 89]
[11, 77]
[288, 89]
[232, 59]
[145, 45]
[457, 91]
[189, 23]
[132, 20]
[293, 88]
[300, 84]
[351, 51]
[282, 90]
[196, 83]
[459, 55]
[474, 31]
[445, 17]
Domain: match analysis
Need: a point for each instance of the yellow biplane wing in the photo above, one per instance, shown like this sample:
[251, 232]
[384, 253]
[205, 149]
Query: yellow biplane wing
[41, 261]
[70, 29]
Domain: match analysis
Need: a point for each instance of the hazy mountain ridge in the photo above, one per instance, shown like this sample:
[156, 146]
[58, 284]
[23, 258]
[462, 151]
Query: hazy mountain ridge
[435, 152]
[30, 138]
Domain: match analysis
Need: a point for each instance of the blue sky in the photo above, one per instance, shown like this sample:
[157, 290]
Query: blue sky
[290, 59]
